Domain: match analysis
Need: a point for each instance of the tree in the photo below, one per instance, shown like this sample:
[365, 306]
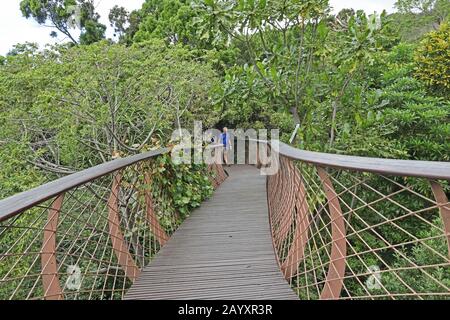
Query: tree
[65, 16]
[119, 19]
[357, 40]
[422, 6]
[177, 23]
[22, 79]
[433, 60]
[85, 105]
[293, 57]
[437, 8]
[171, 20]
[94, 32]
[280, 40]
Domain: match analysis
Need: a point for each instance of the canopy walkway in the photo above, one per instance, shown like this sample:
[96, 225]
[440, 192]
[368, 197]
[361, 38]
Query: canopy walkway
[318, 226]
[223, 251]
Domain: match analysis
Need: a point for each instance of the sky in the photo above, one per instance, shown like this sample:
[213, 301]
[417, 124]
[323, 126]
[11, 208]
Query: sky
[369, 6]
[14, 28]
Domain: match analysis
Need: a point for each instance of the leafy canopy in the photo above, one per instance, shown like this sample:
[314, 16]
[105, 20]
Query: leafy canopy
[433, 59]
[66, 16]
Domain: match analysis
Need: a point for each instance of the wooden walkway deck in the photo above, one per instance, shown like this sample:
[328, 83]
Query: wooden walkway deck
[223, 251]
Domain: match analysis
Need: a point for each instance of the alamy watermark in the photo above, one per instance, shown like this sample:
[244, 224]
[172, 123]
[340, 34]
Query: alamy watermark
[373, 282]
[74, 21]
[254, 147]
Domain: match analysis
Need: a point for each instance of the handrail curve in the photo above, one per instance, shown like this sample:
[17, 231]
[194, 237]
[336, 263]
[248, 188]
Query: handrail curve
[343, 227]
[360, 228]
[27, 199]
[89, 235]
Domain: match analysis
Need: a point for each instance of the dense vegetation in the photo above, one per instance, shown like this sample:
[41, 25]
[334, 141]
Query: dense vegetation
[374, 85]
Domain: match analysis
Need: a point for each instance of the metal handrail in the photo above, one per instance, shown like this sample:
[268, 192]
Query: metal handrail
[119, 212]
[325, 223]
[27, 199]
[410, 168]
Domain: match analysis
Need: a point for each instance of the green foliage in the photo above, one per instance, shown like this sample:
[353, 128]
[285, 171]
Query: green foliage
[94, 32]
[95, 103]
[357, 84]
[436, 9]
[70, 108]
[398, 119]
[63, 15]
[433, 60]
[248, 103]
[180, 22]
[170, 20]
[185, 186]
[16, 173]
[418, 17]
[422, 255]
[274, 62]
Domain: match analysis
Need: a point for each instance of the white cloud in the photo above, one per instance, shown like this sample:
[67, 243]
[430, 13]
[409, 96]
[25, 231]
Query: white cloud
[369, 6]
[14, 28]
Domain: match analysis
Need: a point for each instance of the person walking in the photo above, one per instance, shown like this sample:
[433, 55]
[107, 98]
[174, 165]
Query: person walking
[226, 142]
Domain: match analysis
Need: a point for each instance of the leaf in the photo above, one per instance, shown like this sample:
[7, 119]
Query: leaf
[262, 4]
[273, 72]
[358, 119]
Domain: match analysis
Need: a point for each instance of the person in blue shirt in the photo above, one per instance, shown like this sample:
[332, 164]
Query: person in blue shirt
[225, 140]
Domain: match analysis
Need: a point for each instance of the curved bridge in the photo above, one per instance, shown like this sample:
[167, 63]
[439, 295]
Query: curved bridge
[223, 251]
[321, 226]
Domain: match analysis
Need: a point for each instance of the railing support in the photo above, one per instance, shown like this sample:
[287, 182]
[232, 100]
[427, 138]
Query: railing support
[287, 205]
[119, 244]
[444, 208]
[297, 250]
[275, 195]
[217, 169]
[50, 279]
[336, 270]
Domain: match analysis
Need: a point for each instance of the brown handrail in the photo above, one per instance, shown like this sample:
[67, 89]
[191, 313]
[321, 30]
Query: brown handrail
[342, 228]
[411, 168]
[102, 223]
[27, 199]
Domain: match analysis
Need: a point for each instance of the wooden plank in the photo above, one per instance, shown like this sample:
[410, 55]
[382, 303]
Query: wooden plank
[223, 251]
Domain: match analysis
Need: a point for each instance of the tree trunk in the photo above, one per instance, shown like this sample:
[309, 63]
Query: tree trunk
[294, 112]
[333, 123]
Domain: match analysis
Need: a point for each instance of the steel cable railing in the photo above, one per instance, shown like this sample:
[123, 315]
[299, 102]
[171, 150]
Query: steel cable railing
[342, 228]
[88, 235]
[361, 228]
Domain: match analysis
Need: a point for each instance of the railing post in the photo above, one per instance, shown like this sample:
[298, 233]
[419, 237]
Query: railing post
[276, 202]
[49, 273]
[300, 238]
[336, 270]
[444, 208]
[217, 168]
[119, 244]
[287, 204]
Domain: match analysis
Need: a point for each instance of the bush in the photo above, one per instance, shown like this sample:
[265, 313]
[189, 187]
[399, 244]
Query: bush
[433, 60]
